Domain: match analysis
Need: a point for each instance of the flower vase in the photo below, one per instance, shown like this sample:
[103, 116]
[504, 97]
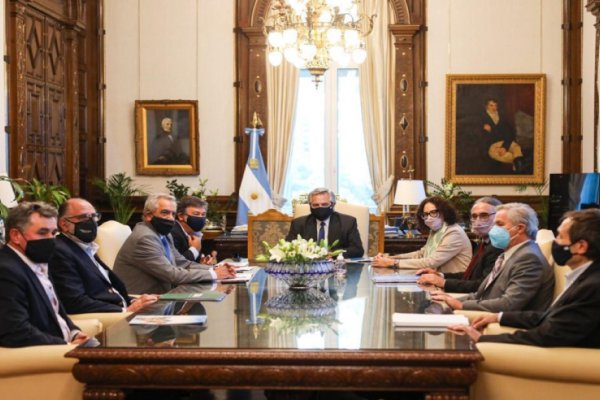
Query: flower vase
[301, 275]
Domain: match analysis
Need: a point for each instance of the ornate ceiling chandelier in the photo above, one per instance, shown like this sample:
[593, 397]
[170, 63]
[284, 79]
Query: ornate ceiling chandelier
[310, 33]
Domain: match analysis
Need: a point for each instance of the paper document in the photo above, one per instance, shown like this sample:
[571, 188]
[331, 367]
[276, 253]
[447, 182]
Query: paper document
[391, 275]
[243, 262]
[428, 320]
[168, 320]
[243, 274]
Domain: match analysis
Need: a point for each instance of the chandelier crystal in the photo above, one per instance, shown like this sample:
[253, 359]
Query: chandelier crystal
[310, 33]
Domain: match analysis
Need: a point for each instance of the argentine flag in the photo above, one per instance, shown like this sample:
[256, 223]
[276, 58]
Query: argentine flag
[255, 193]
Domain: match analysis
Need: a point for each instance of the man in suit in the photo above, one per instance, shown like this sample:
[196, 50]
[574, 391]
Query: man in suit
[187, 231]
[572, 319]
[31, 313]
[148, 262]
[165, 148]
[521, 278]
[325, 223]
[484, 256]
[82, 281]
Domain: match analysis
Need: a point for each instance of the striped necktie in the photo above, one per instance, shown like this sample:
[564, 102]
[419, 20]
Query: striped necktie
[495, 271]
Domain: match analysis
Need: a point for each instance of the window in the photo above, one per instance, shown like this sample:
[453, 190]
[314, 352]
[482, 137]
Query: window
[328, 147]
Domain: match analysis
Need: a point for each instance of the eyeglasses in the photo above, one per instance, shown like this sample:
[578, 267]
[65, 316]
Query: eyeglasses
[432, 214]
[482, 216]
[84, 217]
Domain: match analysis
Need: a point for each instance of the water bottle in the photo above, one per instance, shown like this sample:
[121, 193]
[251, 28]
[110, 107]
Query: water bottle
[340, 265]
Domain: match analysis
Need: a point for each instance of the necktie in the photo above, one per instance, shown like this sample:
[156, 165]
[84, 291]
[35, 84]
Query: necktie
[165, 243]
[495, 270]
[322, 231]
[473, 263]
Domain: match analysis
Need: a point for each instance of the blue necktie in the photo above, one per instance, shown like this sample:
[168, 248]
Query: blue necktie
[165, 243]
[322, 231]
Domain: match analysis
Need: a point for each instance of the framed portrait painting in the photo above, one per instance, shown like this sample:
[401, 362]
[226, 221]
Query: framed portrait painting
[495, 129]
[166, 137]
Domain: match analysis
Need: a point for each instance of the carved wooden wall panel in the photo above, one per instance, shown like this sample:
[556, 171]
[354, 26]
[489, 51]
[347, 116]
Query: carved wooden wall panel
[51, 54]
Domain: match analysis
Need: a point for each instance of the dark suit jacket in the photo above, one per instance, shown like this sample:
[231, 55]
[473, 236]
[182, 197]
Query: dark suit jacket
[342, 227]
[485, 264]
[26, 316]
[180, 240]
[572, 321]
[80, 285]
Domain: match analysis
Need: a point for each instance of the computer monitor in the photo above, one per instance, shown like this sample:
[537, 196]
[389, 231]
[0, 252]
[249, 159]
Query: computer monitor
[569, 192]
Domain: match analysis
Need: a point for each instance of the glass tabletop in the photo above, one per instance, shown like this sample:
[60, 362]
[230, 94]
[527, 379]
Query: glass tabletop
[345, 312]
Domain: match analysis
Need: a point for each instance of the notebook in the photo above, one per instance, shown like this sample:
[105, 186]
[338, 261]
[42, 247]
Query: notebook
[168, 320]
[428, 320]
[203, 296]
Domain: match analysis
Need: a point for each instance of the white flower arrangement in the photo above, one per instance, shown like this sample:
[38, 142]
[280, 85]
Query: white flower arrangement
[299, 250]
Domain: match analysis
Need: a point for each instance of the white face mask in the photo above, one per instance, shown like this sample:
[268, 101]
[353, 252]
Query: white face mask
[435, 224]
[481, 228]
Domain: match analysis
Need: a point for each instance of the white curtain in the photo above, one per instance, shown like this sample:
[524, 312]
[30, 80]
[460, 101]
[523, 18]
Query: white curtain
[282, 88]
[377, 102]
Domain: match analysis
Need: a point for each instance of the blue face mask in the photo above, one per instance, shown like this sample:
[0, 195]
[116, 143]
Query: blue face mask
[499, 237]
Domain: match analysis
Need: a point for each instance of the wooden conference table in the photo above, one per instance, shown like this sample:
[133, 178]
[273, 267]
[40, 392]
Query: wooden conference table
[262, 336]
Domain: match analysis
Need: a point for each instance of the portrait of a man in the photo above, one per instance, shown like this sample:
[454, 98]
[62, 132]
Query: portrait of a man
[166, 137]
[495, 131]
[169, 143]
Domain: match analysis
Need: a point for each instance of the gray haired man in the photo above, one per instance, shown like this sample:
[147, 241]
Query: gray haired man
[521, 279]
[148, 262]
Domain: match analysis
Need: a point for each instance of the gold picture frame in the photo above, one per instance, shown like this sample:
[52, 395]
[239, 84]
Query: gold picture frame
[166, 137]
[495, 129]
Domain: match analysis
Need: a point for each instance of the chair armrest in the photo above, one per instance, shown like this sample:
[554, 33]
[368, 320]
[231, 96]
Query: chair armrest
[106, 319]
[497, 329]
[472, 314]
[90, 327]
[565, 364]
[35, 359]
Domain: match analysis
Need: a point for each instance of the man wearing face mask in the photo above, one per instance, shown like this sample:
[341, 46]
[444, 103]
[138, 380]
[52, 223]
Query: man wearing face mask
[83, 282]
[573, 319]
[484, 255]
[187, 231]
[325, 223]
[149, 262]
[521, 278]
[31, 311]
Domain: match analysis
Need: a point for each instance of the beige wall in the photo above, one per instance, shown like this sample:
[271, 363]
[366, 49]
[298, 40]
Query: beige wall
[587, 92]
[166, 49]
[491, 37]
[184, 49]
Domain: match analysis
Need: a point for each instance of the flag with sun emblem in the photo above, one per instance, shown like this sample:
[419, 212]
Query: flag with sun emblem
[255, 192]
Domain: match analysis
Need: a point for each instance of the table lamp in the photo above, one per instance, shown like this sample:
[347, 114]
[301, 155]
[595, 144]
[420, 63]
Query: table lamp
[409, 192]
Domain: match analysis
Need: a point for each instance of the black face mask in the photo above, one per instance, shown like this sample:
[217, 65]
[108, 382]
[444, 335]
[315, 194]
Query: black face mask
[196, 223]
[561, 254]
[322, 213]
[86, 231]
[162, 225]
[40, 250]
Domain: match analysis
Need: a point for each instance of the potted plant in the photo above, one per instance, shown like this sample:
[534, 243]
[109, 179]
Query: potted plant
[452, 192]
[39, 191]
[119, 188]
[177, 190]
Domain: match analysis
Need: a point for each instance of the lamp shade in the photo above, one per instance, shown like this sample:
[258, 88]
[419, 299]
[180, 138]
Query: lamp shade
[7, 194]
[409, 192]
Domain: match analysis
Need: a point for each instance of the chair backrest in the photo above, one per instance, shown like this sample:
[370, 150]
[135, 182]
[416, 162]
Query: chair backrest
[370, 227]
[111, 236]
[559, 270]
[269, 227]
